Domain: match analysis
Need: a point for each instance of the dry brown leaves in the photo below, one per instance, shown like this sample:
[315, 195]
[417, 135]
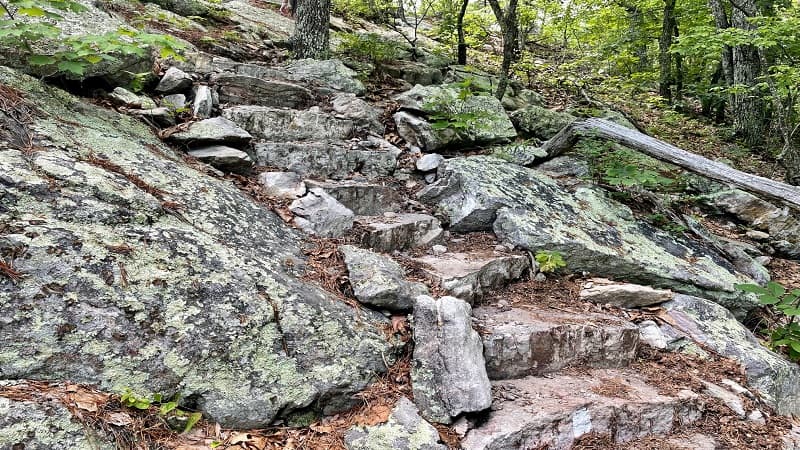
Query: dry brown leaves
[255, 190]
[117, 169]
[612, 387]
[19, 114]
[325, 267]
[7, 270]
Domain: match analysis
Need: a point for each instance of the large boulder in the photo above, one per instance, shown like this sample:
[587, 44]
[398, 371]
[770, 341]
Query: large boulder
[332, 73]
[448, 373]
[539, 122]
[246, 90]
[484, 119]
[776, 379]
[592, 232]
[139, 272]
[289, 125]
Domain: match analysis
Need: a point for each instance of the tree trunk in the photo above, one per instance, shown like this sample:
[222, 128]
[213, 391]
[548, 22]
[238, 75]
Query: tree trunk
[722, 22]
[311, 31]
[678, 67]
[635, 31]
[510, 29]
[604, 129]
[462, 43]
[748, 106]
[665, 79]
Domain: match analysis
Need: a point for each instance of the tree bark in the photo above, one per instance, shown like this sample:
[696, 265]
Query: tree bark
[665, 79]
[509, 26]
[311, 31]
[635, 31]
[462, 43]
[722, 22]
[748, 106]
[604, 129]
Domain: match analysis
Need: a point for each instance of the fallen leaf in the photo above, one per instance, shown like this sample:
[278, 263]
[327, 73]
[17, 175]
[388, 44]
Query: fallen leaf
[324, 429]
[119, 419]
[399, 324]
[377, 414]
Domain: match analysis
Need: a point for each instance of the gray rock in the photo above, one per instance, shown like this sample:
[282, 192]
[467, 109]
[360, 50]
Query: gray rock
[289, 125]
[438, 250]
[540, 123]
[174, 81]
[623, 295]
[727, 397]
[593, 233]
[430, 177]
[44, 424]
[330, 159]
[320, 214]
[224, 158]
[203, 300]
[245, 90]
[650, 334]
[400, 232]
[363, 198]
[471, 276]
[174, 101]
[125, 97]
[163, 117]
[332, 73]
[405, 430]
[524, 155]
[429, 162]
[379, 281]
[364, 116]
[564, 167]
[283, 185]
[418, 132]
[203, 104]
[413, 72]
[554, 412]
[217, 130]
[536, 341]
[448, 374]
[757, 235]
[776, 379]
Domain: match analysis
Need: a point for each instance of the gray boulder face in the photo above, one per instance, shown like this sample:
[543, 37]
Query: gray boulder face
[289, 125]
[332, 73]
[623, 295]
[399, 232]
[413, 72]
[448, 373]
[283, 185]
[419, 133]
[224, 158]
[363, 198]
[331, 159]
[536, 341]
[217, 130]
[781, 224]
[174, 101]
[405, 430]
[203, 104]
[174, 81]
[776, 379]
[244, 90]
[429, 162]
[162, 116]
[125, 97]
[490, 126]
[540, 123]
[593, 233]
[320, 214]
[523, 155]
[44, 424]
[379, 281]
[364, 116]
[200, 298]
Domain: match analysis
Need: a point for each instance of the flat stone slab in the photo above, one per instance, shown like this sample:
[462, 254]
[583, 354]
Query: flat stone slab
[399, 232]
[552, 413]
[289, 125]
[363, 198]
[217, 130]
[470, 276]
[535, 341]
[246, 90]
[320, 214]
[378, 280]
[623, 295]
[224, 158]
[330, 159]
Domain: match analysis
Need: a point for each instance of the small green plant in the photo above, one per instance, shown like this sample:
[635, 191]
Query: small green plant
[368, 47]
[450, 110]
[167, 409]
[549, 261]
[785, 335]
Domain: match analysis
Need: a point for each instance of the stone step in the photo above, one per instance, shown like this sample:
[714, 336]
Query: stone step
[363, 198]
[519, 342]
[392, 232]
[552, 413]
[469, 276]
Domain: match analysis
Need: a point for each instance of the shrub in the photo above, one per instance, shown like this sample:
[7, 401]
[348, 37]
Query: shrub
[785, 334]
[549, 261]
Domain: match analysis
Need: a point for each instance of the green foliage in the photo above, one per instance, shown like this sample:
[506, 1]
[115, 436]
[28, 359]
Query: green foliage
[26, 24]
[449, 110]
[370, 47]
[549, 261]
[167, 409]
[785, 335]
[625, 169]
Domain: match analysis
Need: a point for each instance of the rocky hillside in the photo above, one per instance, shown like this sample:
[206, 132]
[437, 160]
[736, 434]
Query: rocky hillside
[310, 255]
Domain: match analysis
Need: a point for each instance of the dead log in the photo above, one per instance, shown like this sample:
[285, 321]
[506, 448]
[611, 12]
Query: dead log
[604, 129]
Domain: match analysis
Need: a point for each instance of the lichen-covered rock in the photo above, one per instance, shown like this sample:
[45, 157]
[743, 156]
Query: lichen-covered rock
[141, 272]
[363, 198]
[224, 158]
[379, 281]
[776, 379]
[419, 133]
[413, 72]
[524, 155]
[44, 424]
[289, 125]
[284, 185]
[217, 130]
[593, 233]
[448, 373]
[331, 72]
[429, 162]
[490, 124]
[405, 430]
[540, 123]
[399, 231]
[125, 97]
[364, 116]
[245, 90]
[320, 214]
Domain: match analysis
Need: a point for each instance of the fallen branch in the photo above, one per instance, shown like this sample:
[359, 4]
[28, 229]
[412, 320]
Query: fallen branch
[604, 129]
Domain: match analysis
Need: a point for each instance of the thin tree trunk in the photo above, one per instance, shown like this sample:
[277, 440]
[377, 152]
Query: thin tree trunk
[748, 106]
[635, 31]
[665, 80]
[510, 29]
[722, 22]
[311, 32]
[462, 43]
[678, 68]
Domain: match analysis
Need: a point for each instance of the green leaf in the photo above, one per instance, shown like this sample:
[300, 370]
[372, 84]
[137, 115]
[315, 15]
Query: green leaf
[32, 11]
[168, 407]
[767, 299]
[753, 288]
[795, 345]
[775, 288]
[73, 67]
[41, 60]
[193, 419]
